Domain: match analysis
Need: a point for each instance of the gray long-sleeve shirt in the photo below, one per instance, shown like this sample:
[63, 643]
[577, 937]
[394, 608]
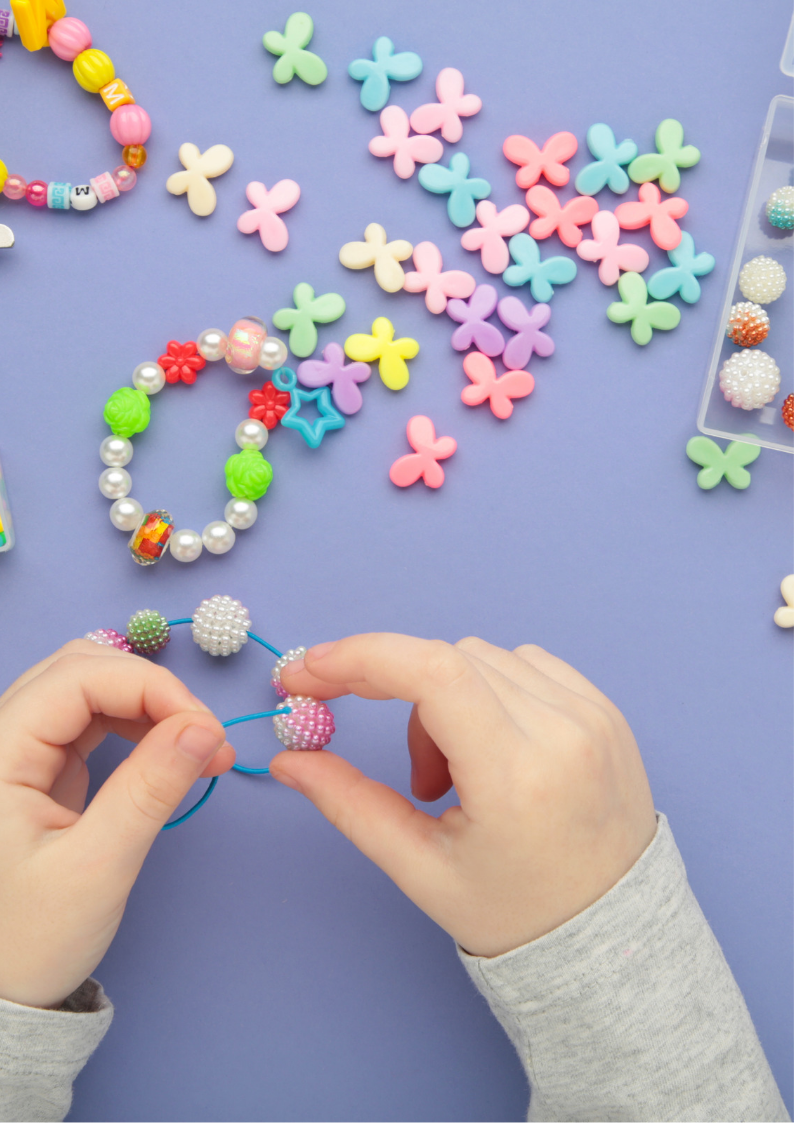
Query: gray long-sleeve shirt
[626, 1012]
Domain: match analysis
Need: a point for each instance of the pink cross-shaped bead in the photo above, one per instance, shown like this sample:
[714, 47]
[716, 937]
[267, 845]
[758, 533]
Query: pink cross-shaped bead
[565, 220]
[447, 112]
[534, 162]
[423, 462]
[661, 216]
[408, 151]
[495, 226]
[499, 391]
[438, 287]
[604, 247]
[268, 205]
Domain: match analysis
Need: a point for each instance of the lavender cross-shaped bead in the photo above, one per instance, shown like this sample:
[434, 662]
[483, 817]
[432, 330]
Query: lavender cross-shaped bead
[526, 323]
[472, 314]
[343, 378]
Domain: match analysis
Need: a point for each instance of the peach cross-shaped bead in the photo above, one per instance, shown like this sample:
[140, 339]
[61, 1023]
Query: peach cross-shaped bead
[438, 287]
[408, 151]
[385, 256]
[603, 247]
[665, 231]
[200, 168]
[487, 387]
[423, 462]
[565, 220]
[495, 226]
[446, 113]
[268, 205]
[533, 162]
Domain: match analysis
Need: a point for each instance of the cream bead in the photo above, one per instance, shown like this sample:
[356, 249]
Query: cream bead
[218, 537]
[186, 545]
[212, 344]
[251, 434]
[273, 353]
[126, 514]
[240, 513]
[115, 483]
[115, 451]
[149, 377]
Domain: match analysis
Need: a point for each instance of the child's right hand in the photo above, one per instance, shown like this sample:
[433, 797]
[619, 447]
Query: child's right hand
[555, 806]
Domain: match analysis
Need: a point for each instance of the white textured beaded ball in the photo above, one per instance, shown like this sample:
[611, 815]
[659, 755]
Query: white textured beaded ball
[275, 675]
[763, 280]
[749, 379]
[780, 208]
[220, 625]
[309, 726]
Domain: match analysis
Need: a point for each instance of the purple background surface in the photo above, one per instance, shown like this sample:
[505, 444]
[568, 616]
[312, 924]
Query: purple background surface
[265, 970]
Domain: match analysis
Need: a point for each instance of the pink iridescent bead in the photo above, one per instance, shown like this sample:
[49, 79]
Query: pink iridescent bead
[124, 178]
[275, 675]
[310, 726]
[36, 193]
[15, 187]
[108, 637]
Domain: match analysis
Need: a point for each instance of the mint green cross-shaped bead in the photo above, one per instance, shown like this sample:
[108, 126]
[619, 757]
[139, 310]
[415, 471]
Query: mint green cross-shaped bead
[294, 58]
[300, 320]
[633, 305]
[671, 155]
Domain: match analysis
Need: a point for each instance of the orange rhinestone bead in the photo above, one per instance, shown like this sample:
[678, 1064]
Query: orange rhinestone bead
[134, 155]
[788, 411]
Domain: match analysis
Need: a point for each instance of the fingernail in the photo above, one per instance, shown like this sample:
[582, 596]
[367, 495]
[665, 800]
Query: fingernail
[291, 668]
[198, 742]
[321, 649]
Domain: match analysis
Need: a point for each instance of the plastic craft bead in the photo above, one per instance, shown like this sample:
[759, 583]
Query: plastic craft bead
[528, 338]
[749, 379]
[218, 537]
[58, 196]
[445, 115]
[343, 378]
[69, 37]
[244, 344]
[312, 431]
[633, 306]
[268, 205]
[3, 174]
[148, 632]
[134, 155]
[541, 276]
[83, 197]
[116, 93]
[422, 464]
[290, 656]
[200, 167]
[748, 324]
[566, 219]
[487, 387]
[495, 227]
[105, 187]
[248, 475]
[126, 514]
[534, 162]
[787, 412]
[151, 537]
[291, 47]
[116, 452]
[308, 311]
[127, 411]
[408, 151]
[15, 187]
[149, 377]
[717, 464]
[186, 545]
[472, 316]
[36, 193]
[32, 18]
[376, 74]
[273, 353]
[220, 625]
[391, 353]
[93, 69]
[181, 361]
[384, 256]
[454, 181]
[6, 237]
[650, 210]
[438, 287]
[212, 344]
[310, 725]
[682, 276]
[762, 279]
[268, 405]
[672, 155]
[605, 248]
[607, 170]
[251, 434]
[240, 513]
[784, 617]
[780, 208]
[115, 483]
[109, 637]
[130, 124]
[124, 177]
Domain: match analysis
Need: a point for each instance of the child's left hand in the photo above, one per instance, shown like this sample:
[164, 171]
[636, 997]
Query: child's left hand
[65, 873]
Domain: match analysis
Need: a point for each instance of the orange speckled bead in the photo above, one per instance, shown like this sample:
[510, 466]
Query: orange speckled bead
[788, 411]
[134, 155]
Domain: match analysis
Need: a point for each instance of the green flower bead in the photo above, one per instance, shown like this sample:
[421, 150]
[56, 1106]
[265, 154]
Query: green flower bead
[248, 474]
[127, 411]
[148, 631]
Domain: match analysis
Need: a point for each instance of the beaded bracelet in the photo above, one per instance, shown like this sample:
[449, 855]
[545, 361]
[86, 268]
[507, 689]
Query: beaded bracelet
[220, 626]
[42, 23]
[248, 474]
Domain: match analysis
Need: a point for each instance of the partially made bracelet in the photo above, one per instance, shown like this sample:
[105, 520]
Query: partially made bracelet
[44, 23]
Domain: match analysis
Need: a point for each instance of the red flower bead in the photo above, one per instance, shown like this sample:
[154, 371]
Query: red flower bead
[269, 405]
[182, 360]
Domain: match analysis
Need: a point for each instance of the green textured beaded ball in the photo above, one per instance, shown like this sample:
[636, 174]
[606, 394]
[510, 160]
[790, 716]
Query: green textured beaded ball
[780, 208]
[148, 631]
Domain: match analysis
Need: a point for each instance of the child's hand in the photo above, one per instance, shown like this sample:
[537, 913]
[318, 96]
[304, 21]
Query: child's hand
[554, 802]
[65, 876]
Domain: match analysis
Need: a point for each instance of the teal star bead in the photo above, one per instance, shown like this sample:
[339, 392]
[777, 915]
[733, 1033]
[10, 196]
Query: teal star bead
[313, 431]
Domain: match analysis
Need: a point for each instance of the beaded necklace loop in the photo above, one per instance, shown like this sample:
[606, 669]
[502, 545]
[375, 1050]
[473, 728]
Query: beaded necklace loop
[44, 23]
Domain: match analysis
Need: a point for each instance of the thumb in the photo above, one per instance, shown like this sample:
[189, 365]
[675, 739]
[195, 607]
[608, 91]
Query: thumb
[385, 826]
[127, 813]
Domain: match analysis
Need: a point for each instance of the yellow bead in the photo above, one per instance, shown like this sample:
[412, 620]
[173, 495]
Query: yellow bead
[134, 155]
[3, 174]
[93, 70]
[116, 93]
[30, 18]
[54, 10]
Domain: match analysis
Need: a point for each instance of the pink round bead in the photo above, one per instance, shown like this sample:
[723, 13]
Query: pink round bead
[15, 187]
[245, 344]
[69, 37]
[124, 178]
[109, 637]
[130, 124]
[36, 193]
[310, 726]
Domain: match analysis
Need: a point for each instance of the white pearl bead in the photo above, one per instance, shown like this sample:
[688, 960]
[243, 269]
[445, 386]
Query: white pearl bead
[149, 377]
[115, 483]
[218, 537]
[212, 344]
[240, 513]
[126, 514]
[273, 353]
[186, 545]
[251, 434]
[115, 451]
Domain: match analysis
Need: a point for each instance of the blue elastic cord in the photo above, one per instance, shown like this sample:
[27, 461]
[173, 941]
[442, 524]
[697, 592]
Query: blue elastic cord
[252, 717]
[194, 808]
[184, 620]
[264, 643]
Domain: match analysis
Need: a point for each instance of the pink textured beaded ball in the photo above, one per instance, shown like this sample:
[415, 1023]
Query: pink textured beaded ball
[275, 675]
[309, 726]
[108, 637]
[130, 124]
[69, 37]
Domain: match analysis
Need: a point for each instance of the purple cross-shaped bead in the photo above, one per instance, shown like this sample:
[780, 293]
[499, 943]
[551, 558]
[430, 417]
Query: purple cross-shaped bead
[343, 379]
[472, 314]
[526, 323]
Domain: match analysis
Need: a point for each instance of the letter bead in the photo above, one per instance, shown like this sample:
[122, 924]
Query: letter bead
[116, 93]
[83, 197]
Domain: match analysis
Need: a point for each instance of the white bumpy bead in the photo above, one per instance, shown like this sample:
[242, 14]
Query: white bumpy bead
[220, 625]
[288, 657]
[762, 280]
[749, 379]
